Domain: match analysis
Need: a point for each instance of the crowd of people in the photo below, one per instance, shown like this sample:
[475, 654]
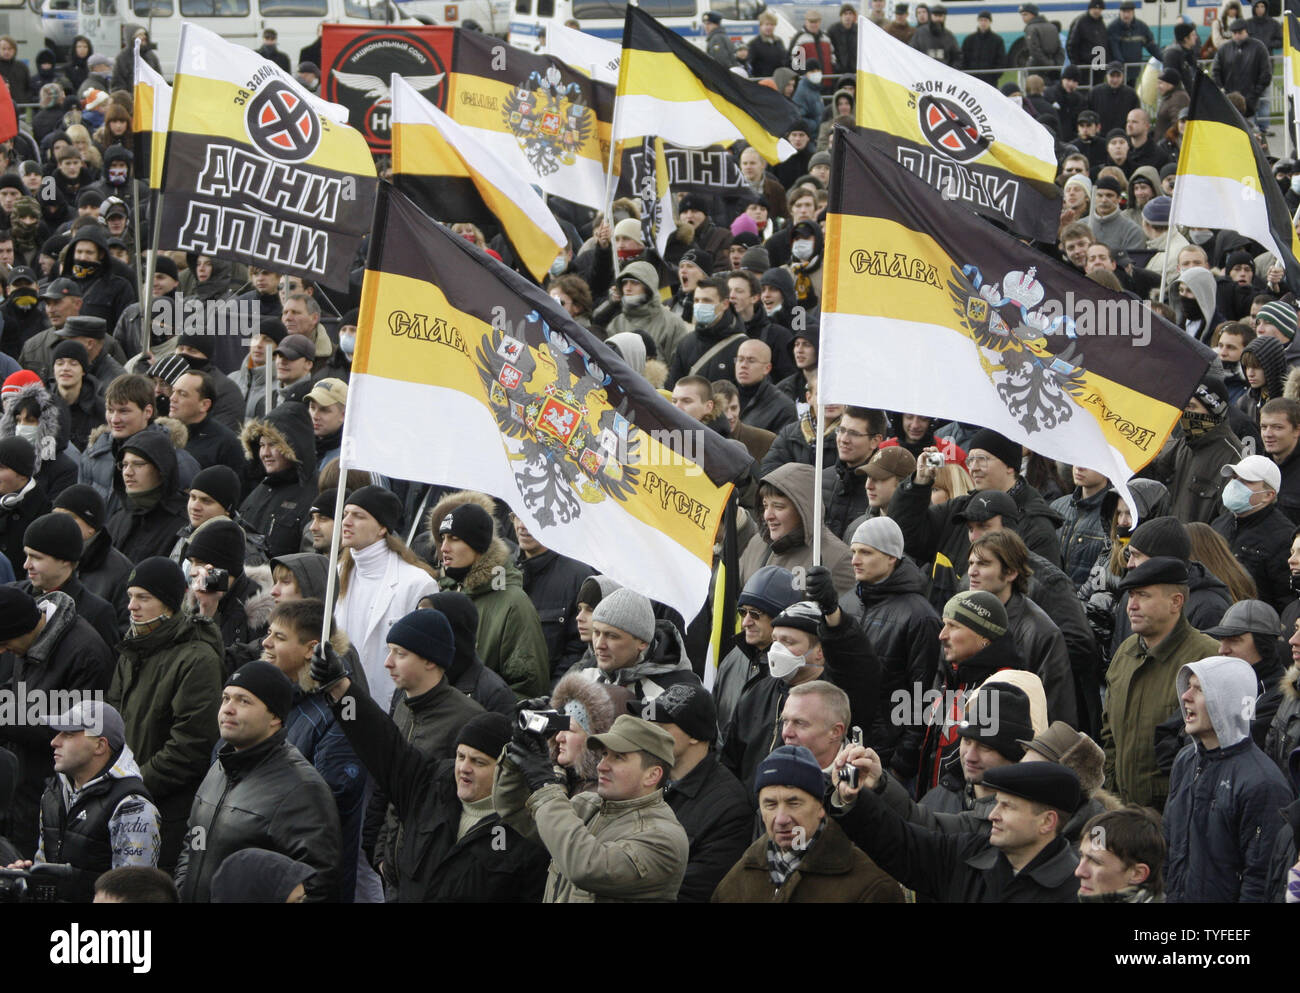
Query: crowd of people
[998, 683]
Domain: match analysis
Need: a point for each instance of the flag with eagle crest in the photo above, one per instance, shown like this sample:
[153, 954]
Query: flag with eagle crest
[927, 309]
[467, 375]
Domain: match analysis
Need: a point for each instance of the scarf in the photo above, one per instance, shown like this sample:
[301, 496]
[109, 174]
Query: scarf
[782, 865]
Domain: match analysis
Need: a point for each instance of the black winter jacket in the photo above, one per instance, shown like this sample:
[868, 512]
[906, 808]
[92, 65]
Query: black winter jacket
[1224, 811]
[95, 610]
[280, 504]
[850, 664]
[264, 796]
[431, 866]
[959, 868]
[714, 809]
[103, 571]
[1261, 542]
[68, 655]
[904, 631]
[552, 581]
[844, 496]
[693, 347]
[139, 533]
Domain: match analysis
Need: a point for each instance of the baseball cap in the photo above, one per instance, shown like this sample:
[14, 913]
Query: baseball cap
[1256, 469]
[631, 734]
[60, 288]
[95, 718]
[296, 346]
[329, 392]
[893, 461]
[1247, 617]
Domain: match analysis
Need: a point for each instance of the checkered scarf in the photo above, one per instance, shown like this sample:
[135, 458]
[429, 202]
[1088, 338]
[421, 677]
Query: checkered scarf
[782, 865]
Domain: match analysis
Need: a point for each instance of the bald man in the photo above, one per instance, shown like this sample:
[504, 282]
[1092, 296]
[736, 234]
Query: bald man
[762, 405]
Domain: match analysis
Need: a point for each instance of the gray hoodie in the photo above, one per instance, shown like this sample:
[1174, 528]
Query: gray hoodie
[1230, 690]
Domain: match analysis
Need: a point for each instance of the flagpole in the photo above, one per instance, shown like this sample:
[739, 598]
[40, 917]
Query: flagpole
[268, 364]
[146, 302]
[331, 576]
[819, 462]
[135, 218]
[1173, 221]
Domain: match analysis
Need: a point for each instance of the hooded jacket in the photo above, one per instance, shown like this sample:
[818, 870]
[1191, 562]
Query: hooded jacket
[904, 630]
[55, 470]
[167, 687]
[468, 673]
[264, 796]
[510, 638]
[67, 656]
[1189, 467]
[143, 530]
[833, 870]
[492, 863]
[1140, 696]
[1283, 736]
[99, 463]
[279, 507]
[1224, 803]
[663, 664]
[665, 327]
[793, 550]
[103, 571]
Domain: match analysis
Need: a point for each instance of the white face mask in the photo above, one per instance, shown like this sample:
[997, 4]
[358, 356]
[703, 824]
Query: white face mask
[559, 265]
[783, 663]
[30, 433]
[802, 250]
[815, 78]
[348, 342]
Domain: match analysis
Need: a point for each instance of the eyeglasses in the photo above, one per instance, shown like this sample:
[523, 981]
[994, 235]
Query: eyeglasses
[850, 433]
[977, 461]
[745, 612]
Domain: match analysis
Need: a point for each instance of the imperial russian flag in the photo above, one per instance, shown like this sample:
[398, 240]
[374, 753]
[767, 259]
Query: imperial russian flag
[467, 375]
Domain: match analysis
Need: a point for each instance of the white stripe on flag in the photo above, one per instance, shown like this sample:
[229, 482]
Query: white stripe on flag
[685, 123]
[1219, 202]
[472, 454]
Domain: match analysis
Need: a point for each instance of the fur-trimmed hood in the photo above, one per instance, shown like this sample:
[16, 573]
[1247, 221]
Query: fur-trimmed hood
[289, 427]
[452, 500]
[258, 606]
[601, 702]
[1292, 387]
[479, 577]
[54, 424]
[1290, 685]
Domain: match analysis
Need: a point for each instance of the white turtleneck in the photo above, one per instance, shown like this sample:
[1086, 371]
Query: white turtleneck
[369, 565]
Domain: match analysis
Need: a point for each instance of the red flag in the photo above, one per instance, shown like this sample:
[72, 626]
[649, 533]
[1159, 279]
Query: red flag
[8, 113]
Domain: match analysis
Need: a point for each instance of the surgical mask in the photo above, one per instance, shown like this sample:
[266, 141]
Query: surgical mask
[815, 78]
[705, 314]
[348, 342]
[559, 265]
[1295, 183]
[1199, 236]
[1236, 497]
[802, 250]
[633, 300]
[783, 663]
[30, 433]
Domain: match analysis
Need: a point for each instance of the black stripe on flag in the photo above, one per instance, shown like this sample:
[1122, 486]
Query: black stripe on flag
[868, 183]
[406, 242]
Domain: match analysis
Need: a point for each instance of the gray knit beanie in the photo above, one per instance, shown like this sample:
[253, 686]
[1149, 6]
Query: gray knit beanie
[627, 611]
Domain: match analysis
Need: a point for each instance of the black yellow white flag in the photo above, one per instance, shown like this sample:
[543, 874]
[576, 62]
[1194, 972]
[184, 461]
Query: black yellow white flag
[443, 167]
[467, 375]
[1224, 180]
[669, 88]
[258, 170]
[924, 308]
[957, 133]
[151, 110]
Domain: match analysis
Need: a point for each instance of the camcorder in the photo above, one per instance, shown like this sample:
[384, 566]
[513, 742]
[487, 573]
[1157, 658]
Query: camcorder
[849, 774]
[214, 580]
[546, 723]
[44, 882]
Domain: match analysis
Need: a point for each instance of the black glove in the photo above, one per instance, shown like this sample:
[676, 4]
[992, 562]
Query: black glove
[326, 666]
[535, 703]
[527, 738]
[818, 587]
[533, 759]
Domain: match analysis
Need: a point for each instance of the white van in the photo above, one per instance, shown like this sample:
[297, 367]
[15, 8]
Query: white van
[297, 22]
[604, 18]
